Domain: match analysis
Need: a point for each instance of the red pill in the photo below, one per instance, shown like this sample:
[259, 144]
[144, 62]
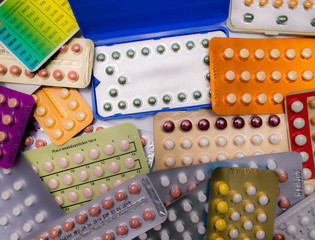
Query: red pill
[73, 75]
[67, 226]
[175, 192]
[41, 238]
[148, 215]
[238, 122]
[40, 143]
[64, 48]
[121, 230]
[168, 126]
[186, 125]
[284, 203]
[278, 237]
[88, 129]
[76, 48]
[221, 123]
[58, 75]
[94, 211]
[134, 223]
[81, 218]
[108, 236]
[278, 192]
[3, 69]
[203, 124]
[282, 176]
[120, 196]
[134, 189]
[29, 74]
[143, 141]
[107, 204]
[99, 128]
[15, 70]
[274, 120]
[191, 187]
[43, 73]
[54, 233]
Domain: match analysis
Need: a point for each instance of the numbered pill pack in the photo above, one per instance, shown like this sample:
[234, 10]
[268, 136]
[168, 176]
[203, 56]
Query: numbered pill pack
[89, 165]
[122, 213]
[272, 17]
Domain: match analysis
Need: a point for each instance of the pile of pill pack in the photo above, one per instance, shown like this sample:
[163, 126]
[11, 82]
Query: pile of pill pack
[168, 120]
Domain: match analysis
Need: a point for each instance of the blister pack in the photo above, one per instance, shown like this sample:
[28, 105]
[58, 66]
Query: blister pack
[300, 109]
[15, 109]
[174, 73]
[61, 112]
[35, 137]
[176, 182]
[309, 187]
[189, 137]
[298, 222]
[70, 67]
[122, 213]
[252, 76]
[242, 203]
[272, 17]
[88, 166]
[25, 205]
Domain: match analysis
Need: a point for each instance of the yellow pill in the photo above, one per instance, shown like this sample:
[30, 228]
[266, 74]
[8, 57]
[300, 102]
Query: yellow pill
[308, 4]
[312, 103]
[278, 3]
[313, 120]
[263, 2]
[222, 188]
[313, 136]
[244, 237]
[248, 2]
[216, 236]
[221, 206]
[293, 3]
[220, 225]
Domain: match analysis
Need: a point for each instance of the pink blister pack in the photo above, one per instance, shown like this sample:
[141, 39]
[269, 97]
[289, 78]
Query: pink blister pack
[122, 213]
[25, 204]
[15, 109]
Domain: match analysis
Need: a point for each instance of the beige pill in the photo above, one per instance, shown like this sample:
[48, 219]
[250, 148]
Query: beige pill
[276, 75]
[290, 54]
[261, 76]
[245, 76]
[49, 122]
[230, 75]
[35, 98]
[274, 53]
[246, 98]
[262, 98]
[306, 53]
[72, 104]
[278, 98]
[80, 115]
[64, 93]
[259, 54]
[228, 53]
[231, 98]
[292, 75]
[307, 75]
[244, 53]
[41, 111]
[69, 124]
[56, 133]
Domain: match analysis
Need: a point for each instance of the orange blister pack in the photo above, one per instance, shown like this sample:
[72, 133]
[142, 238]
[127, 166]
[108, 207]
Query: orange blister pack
[61, 112]
[253, 76]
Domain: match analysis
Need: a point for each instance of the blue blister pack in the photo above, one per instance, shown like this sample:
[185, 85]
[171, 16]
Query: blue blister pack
[167, 40]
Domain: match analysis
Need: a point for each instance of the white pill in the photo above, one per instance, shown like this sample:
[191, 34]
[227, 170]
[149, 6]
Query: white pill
[182, 178]
[200, 176]
[15, 236]
[221, 141]
[201, 229]
[308, 75]
[245, 76]
[305, 221]
[262, 98]
[299, 123]
[172, 216]
[261, 76]
[306, 53]
[164, 236]
[239, 155]
[307, 173]
[271, 165]
[202, 197]
[249, 208]
[194, 217]
[187, 143]
[247, 98]
[143, 236]
[257, 153]
[239, 140]
[274, 139]
[29, 201]
[27, 227]
[233, 233]
[205, 158]
[237, 198]
[40, 217]
[203, 142]
[18, 185]
[158, 227]
[186, 236]
[170, 162]
[235, 216]
[291, 229]
[260, 235]
[179, 226]
[187, 160]
[259, 53]
[165, 181]
[244, 53]
[186, 205]
[312, 234]
[290, 53]
[7, 171]
[228, 53]
[17, 210]
[274, 53]
[276, 75]
[248, 225]
[231, 98]
[253, 165]
[305, 156]
[297, 106]
[263, 200]
[4, 221]
[222, 157]
[308, 189]
[292, 75]
[300, 140]
[262, 217]
[169, 144]
[6, 195]
[251, 190]
[230, 75]
[257, 139]
[278, 98]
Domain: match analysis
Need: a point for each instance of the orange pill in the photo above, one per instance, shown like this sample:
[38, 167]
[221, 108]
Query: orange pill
[263, 2]
[94, 211]
[81, 218]
[99, 128]
[88, 129]
[148, 215]
[134, 223]
[293, 3]
[76, 48]
[58, 75]
[13, 103]
[120, 196]
[121, 230]
[7, 120]
[134, 189]
[277, 3]
[108, 236]
[43, 73]
[248, 2]
[40, 143]
[107, 204]
[308, 4]
[143, 141]
[54, 233]
[175, 192]
[15, 70]
[29, 74]
[3, 136]
[41, 238]
[67, 226]
[64, 48]
[3, 69]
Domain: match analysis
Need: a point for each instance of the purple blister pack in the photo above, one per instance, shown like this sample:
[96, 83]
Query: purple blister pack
[15, 109]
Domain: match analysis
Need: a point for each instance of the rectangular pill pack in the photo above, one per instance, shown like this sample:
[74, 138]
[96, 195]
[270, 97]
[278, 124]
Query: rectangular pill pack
[183, 138]
[25, 205]
[61, 112]
[253, 76]
[176, 182]
[271, 17]
[70, 67]
[89, 165]
[298, 222]
[242, 203]
[122, 213]
[300, 109]
[15, 109]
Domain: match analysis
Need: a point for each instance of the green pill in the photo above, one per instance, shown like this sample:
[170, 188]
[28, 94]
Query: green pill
[113, 93]
[130, 53]
[116, 55]
[282, 19]
[175, 47]
[166, 98]
[160, 49]
[122, 80]
[208, 76]
[209, 93]
[248, 17]
[197, 94]
[152, 100]
[205, 43]
[137, 102]
[122, 104]
[181, 97]
[206, 60]
[100, 57]
[190, 45]
[145, 51]
[110, 70]
[107, 107]
[313, 22]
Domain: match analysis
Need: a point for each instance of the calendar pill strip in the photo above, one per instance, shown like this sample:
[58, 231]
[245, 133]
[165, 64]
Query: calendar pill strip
[242, 203]
[61, 112]
[298, 222]
[34, 30]
[15, 109]
[70, 67]
[25, 204]
[89, 165]
[174, 75]
[284, 17]
[253, 76]
[173, 183]
[122, 213]
[190, 137]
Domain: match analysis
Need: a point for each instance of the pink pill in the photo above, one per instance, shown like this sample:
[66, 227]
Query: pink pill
[57, 74]
[64, 48]
[83, 175]
[87, 192]
[67, 179]
[129, 162]
[99, 129]
[15, 70]
[53, 183]
[63, 162]
[3, 69]
[72, 196]
[98, 171]
[103, 188]
[29, 74]
[113, 167]
[117, 182]
[35, 169]
[73, 75]
[109, 149]
[3, 99]
[48, 166]
[93, 153]
[124, 145]
[78, 158]
[59, 200]
[1, 153]
[76, 47]
[43, 73]
[3, 136]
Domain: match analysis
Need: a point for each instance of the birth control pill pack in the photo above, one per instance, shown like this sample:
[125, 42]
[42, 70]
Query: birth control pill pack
[35, 137]
[242, 203]
[300, 112]
[15, 109]
[298, 222]
[61, 112]
[70, 67]
[272, 17]
[183, 138]
[253, 76]
[122, 213]
[89, 165]
[26, 205]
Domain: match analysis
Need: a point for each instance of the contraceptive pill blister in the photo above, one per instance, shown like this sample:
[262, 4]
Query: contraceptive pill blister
[253, 76]
[143, 77]
[272, 17]
[298, 222]
[25, 204]
[190, 137]
[61, 112]
[122, 213]
[15, 109]
[89, 165]
[70, 67]
[242, 203]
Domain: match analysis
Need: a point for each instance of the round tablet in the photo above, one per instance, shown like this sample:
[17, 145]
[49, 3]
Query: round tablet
[274, 139]
[300, 140]
[248, 225]
[305, 221]
[308, 189]
[292, 75]
[261, 76]
[307, 173]
[67, 226]
[186, 125]
[233, 233]
[305, 156]
[220, 224]
[186, 143]
[284, 203]
[307, 75]
[274, 53]
[228, 53]
[230, 76]
[175, 192]
[231, 98]
[235, 216]
[262, 217]
[238, 122]
[129, 162]
[187, 160]
[306, 53]
[239, 140]
[262, 98]
[283, 177]
[170, 162]
[263, 199]
[244, 53]
[276, 75]
[168, 126]
[246, 98]
[203, 124]
[259, 54]
[245, 76]
[148, 215]
[121, 230]
[291, 229]
[221, 141]
[299, 123]
[249, 208]
[251, 190]
[290, 53]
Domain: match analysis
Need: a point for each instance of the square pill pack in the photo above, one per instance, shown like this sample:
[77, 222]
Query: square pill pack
[89, 165]
[25, 205]
[253, 76]
[70, 67]
[15, 109]
[272, 17]
[122, 213]
[183, 138]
